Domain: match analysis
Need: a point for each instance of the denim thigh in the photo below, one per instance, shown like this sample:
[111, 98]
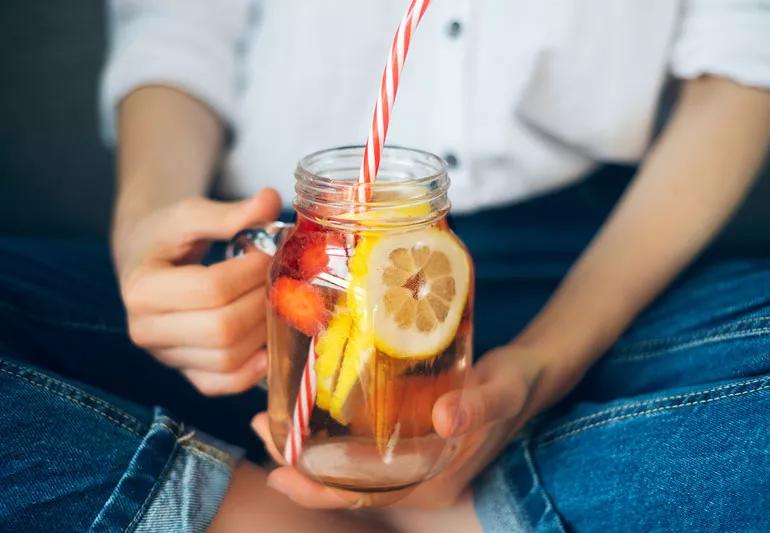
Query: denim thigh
[72, 459]
[60, 309]
[670, 431]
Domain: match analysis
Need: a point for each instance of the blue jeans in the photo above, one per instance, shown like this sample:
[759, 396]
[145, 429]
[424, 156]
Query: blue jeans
[669, 431]
[83, 443]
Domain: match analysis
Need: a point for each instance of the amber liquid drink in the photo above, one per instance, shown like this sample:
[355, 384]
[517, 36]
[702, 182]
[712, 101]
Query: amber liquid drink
[383, 294]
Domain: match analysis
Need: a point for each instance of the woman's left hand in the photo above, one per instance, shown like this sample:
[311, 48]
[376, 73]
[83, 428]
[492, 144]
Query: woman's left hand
[506, 388]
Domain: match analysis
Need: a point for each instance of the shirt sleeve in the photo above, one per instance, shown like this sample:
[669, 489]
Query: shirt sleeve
[192, 45]
[729, 38]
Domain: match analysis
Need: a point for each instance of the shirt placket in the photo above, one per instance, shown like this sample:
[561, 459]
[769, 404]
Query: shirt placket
[452, 54]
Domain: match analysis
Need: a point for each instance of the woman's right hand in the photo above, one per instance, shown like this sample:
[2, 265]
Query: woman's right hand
[206, 321]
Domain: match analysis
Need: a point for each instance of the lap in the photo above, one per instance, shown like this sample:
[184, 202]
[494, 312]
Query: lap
[668, 431]
[670, 420]
[712, 325]
[60, 310]
[73, 459]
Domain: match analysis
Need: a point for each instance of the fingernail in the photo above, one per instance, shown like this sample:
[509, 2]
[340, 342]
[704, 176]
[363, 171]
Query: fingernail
[460, 422]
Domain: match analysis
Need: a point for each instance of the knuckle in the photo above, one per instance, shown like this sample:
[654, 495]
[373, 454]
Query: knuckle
[131, 299]
[237, 384]
[225, 330]
[206, 387]
[217, 290]
[131, 294]
[138, 332]
[261, 336]
[226, 361]
[218, 386]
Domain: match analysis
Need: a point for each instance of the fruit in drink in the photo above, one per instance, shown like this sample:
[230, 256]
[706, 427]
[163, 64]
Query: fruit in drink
[360, 345]
[388, 311]
[300, 304]
[317, 251]
[330, 349]
[358, 354]
[418, 283]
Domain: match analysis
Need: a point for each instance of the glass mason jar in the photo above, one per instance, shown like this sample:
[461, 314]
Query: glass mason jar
[369, 319]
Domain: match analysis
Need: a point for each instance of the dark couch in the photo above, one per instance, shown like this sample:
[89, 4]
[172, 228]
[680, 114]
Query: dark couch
[57, 179]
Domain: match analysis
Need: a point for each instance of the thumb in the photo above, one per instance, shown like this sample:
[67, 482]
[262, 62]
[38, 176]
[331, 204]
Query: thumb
[199, 218]
[496, 390]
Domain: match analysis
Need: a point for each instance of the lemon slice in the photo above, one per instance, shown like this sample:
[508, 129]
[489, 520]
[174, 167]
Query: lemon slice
[330, 349]
[360, 344]
[417, 284]
[357, 353]
[354, 370]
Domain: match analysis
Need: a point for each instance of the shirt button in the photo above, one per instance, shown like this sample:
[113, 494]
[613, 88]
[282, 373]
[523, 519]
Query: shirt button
[454, 29]
[451, 160]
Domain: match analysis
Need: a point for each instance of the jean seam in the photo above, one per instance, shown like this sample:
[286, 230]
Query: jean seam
[198, 453]
[207, 449]
[511, 496]
[626, 346]
[203, 450]
[161, 477]
[168, 422]
[691, 344]
[558, 437]
[538, 485]
[81, 404]
[678, 338]
[632, 405]
[64, 384]
[166, 427]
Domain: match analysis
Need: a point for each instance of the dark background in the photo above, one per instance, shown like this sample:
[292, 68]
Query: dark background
[56, 176]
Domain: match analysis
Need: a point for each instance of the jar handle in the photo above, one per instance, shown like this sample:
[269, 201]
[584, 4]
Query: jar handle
[265, 238]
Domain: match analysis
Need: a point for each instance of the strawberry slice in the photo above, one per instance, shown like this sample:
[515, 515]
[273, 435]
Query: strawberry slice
[300, 304]
[317, 249]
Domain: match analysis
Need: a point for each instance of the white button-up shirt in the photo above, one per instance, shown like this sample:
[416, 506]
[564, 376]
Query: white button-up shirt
[520, 96]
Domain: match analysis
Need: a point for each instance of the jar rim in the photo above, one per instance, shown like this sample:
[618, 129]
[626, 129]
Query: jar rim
[411, 188]
[304, 170]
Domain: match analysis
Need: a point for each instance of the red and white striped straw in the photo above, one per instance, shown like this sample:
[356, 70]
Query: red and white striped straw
[303, 408]
[387, 96]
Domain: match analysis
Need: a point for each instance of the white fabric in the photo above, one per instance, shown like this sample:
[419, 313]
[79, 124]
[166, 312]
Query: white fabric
[526, 95]
[730, 38]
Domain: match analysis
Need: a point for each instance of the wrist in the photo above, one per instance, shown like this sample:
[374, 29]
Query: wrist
[553, 364]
